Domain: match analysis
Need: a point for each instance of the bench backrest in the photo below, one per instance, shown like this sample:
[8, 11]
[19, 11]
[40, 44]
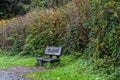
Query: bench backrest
[55, 51]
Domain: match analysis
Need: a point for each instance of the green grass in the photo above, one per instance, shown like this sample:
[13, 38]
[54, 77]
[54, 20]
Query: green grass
[70, 68]
[10, 61]
[7, 61]
[13, 61]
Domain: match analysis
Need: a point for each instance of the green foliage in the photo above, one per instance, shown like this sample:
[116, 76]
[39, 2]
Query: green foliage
[11, 8]
[104, 28]
[36, 43]
[48, 3]
[51, 29]
[72, 40]
[13, 35]
[13, 61]
[104, 37]
[43, 28]
[15, 43]
[38, 3]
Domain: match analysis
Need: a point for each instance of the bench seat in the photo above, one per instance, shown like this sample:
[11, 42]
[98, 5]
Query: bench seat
[48, 60]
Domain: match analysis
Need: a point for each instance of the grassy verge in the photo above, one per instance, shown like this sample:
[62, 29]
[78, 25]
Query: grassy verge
[7, 62]
[70, 68]
[12, 61]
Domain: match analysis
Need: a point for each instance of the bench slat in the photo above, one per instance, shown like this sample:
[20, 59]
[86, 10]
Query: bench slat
[53, 51]
[48, 59]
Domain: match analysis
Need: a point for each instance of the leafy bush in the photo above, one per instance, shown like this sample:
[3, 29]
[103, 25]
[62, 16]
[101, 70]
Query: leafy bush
[12, 37]
[73, 41]
[36, 44]
[51, 27]
[104, 29]
[104, 40]
[56, 28]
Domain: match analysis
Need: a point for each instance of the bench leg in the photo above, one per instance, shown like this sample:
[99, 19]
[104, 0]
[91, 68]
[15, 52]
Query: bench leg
[39, 62]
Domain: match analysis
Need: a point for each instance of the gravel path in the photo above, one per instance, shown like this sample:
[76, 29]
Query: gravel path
[5, 75]
[17, 73]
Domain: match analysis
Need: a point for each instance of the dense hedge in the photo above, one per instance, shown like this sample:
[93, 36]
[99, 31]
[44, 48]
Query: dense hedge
[104, 37]
[52, 27]
[104, 25]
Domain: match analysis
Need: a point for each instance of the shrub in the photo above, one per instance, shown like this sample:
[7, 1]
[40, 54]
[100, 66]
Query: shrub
[55, 27]
[74, 40]
[36, 44]
[14, 32]
[59, 27]
[104, 40]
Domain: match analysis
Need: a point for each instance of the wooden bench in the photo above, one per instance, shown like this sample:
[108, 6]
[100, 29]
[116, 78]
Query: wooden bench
[53, 52]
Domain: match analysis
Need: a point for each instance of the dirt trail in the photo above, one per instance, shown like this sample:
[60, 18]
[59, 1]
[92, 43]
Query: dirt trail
[17, 73]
